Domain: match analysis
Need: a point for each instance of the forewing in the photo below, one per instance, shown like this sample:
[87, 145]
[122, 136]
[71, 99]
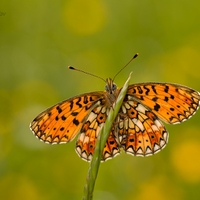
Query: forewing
[140, 132]
[170, 102]
[63, 121]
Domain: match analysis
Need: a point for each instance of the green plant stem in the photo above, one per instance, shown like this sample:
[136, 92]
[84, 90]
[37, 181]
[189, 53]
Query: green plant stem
[100, 144]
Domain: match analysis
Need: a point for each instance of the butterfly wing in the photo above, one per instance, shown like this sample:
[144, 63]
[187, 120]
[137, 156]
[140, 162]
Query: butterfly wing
[137, 128]
[140, 132]
[172, 103]
[86, 141]
[63, 121]
[84, 114]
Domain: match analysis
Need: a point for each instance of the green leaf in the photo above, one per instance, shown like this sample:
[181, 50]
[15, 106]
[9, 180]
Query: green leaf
[100, 144]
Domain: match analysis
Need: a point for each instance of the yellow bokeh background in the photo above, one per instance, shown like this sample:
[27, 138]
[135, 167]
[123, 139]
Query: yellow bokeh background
[39, 39]
[85, 17]
[185, 158]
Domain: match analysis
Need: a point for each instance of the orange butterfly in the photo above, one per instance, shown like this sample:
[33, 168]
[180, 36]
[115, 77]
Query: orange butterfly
[137, 129]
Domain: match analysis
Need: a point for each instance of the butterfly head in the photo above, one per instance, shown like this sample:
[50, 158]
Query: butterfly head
[110, 87]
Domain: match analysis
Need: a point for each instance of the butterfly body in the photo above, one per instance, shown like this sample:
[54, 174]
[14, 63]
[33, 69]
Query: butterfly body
[137, 129]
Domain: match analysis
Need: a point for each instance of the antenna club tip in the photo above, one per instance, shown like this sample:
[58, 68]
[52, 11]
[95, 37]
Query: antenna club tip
[136, 55]
[70, 67]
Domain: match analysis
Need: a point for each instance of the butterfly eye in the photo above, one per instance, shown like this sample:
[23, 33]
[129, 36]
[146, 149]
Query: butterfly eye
[106, 88]
[114, 87]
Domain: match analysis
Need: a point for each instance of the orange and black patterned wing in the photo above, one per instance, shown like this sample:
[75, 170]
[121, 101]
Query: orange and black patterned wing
[140, 132]
[172, 103]
[62, 122]
[89, 132]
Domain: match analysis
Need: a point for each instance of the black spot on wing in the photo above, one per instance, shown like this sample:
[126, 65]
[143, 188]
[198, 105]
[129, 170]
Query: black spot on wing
[75, 121]
[58, 109]
[62, 128]
[85, 100]
[139, 90]
[63, 118]
[156, 107]
[166, 99]
[155, 99]
[166, 88]
[74, 113]
[71, 105]
[78, 102]
[153, 88]
[147, 90]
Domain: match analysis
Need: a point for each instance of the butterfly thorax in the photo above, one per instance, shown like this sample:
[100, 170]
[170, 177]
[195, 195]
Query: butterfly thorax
[111, 92]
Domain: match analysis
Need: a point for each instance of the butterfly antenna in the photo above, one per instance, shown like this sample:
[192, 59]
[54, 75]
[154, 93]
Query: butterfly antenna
[135, 56]
[79, 70]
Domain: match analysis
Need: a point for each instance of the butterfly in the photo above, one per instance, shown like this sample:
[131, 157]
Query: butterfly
[138, 127]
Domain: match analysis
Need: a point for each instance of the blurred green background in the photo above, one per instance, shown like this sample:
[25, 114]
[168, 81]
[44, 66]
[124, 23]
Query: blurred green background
[39, 39]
